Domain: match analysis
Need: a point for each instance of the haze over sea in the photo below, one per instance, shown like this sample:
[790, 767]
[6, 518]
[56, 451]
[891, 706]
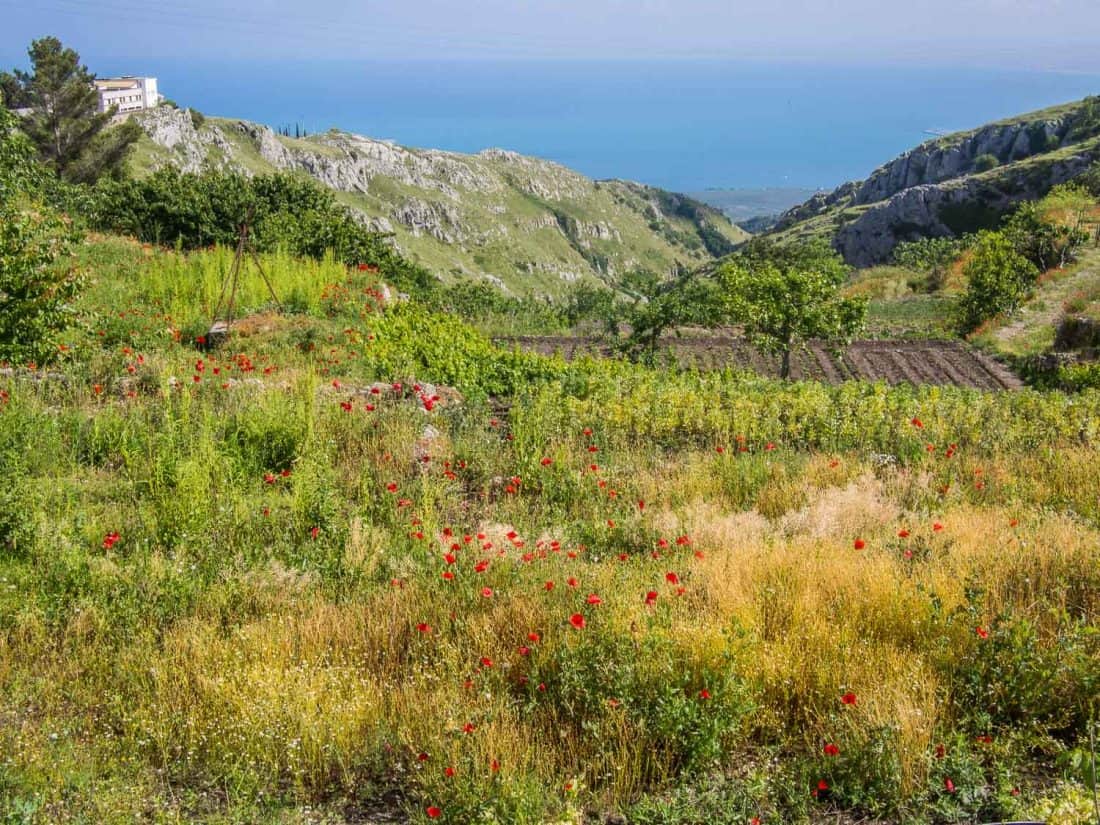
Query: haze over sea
[676, 124]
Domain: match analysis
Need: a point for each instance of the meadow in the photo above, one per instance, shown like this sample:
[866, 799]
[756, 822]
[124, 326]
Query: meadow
[358, 561]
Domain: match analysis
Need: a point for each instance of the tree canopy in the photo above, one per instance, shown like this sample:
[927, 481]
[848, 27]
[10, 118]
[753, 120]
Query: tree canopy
[783, 296]
[63, 123]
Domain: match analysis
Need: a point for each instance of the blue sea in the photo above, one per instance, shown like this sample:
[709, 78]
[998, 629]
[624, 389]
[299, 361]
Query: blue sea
[682, 125]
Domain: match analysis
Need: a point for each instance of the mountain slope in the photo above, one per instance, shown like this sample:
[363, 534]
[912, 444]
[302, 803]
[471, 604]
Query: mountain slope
[954, 184]
[526, 224]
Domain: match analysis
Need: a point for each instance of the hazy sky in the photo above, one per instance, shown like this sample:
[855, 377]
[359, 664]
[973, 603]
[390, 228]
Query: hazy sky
[1044, 34]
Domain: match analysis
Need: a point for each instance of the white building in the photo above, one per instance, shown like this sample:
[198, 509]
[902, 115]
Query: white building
[129, 94]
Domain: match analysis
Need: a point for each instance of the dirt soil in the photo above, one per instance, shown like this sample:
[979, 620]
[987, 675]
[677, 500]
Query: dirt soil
[895, 362]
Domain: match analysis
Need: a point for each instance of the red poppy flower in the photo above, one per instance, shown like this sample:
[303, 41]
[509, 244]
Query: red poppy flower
[269, 478]
[577, 620]
[422, 757]
[486, 592]
[683, 541]
[391, 487]
[704, 694]
[494, 766]
[469, 727]
[547, 461]
[916, 422]
[423, 627]
[982, 632]
[823, 785]
[831, 749]
[572, 582]
[903, 534]
[848, 698]
[941, 751]
[481, 566]
[486, 661]
[533, 637]
[937, 527]
[651, 598]
[948, 785]
[432, 811]
[548, 586]
[593, 599]
[524, 650]
[859, 544]
[448, 771]
[672, 578]
[448, 575]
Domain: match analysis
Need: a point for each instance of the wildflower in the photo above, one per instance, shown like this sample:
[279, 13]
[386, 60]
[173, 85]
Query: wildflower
[859, 544]
[110, 540]
[314, 532]
[422, 757]
[948, 785]
[982, 632]
[594, 599]
[941, 751]
[903, 534]
[831, 749]
[916, 422]
[432, 811]
[548, 586]
[672, 578]
[486, 661]
[391, 487]
[494, 766]
[448, 575]
[448, 771]
[547, 461]
[269, 478]
[486, 592]
[424, 627]
[704, 694]
[848, 698]
[651, 598]
[683, 541]
[523, 650]
[572, 582]
[469, 727]
[577, 620]
[937, 527]
[823, 785]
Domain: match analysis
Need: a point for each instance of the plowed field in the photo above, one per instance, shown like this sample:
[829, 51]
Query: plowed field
[895, 362]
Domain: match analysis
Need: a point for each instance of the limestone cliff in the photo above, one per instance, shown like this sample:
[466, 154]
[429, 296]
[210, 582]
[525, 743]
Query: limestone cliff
[529, 224]
[954, 184]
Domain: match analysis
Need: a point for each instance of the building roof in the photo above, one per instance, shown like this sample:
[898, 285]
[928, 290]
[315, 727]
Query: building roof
[111, 83]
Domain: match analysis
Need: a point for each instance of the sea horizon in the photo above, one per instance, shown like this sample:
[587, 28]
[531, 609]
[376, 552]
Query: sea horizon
[686, 126]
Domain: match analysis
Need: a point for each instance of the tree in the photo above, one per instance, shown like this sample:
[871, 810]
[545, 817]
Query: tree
[931, 255]
[35, 291]
[1047, 241]
[998, 279]
[70, 135]
[784, 296]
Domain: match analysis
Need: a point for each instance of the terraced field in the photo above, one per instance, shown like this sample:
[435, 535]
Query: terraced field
[895, 362]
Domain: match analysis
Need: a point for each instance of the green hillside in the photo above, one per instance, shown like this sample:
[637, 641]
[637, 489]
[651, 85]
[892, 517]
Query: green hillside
[528, 225]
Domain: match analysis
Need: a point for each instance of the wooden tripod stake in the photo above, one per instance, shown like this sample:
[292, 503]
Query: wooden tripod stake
[219, 329]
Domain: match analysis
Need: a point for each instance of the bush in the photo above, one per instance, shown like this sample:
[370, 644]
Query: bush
[983, 163]
[197, 118]
[998, 279]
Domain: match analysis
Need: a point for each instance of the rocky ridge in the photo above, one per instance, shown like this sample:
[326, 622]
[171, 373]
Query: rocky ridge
[954, 184]
[529, 224]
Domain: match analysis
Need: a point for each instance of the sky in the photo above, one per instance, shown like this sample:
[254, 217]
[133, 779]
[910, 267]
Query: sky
[1033, 34]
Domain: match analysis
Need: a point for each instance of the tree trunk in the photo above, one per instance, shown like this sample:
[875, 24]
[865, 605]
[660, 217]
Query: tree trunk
[785, 364]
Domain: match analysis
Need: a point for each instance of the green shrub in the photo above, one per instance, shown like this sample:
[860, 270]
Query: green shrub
[983, 163]
[998, 279]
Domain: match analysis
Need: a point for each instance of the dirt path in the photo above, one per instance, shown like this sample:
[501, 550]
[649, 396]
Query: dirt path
[1044, 312]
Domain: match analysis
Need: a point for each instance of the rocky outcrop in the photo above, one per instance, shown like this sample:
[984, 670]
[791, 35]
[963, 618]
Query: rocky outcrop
[938, 161]
[439, 220]
[497, 215]
[947, 209]
[174, 129]
[959, 183]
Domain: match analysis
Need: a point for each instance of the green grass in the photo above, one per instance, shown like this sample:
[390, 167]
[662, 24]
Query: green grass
[271, 639]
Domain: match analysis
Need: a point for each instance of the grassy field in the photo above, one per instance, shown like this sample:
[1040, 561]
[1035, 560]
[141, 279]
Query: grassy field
[291, 581]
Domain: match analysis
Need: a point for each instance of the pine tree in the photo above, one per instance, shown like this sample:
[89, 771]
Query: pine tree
[70, 135]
